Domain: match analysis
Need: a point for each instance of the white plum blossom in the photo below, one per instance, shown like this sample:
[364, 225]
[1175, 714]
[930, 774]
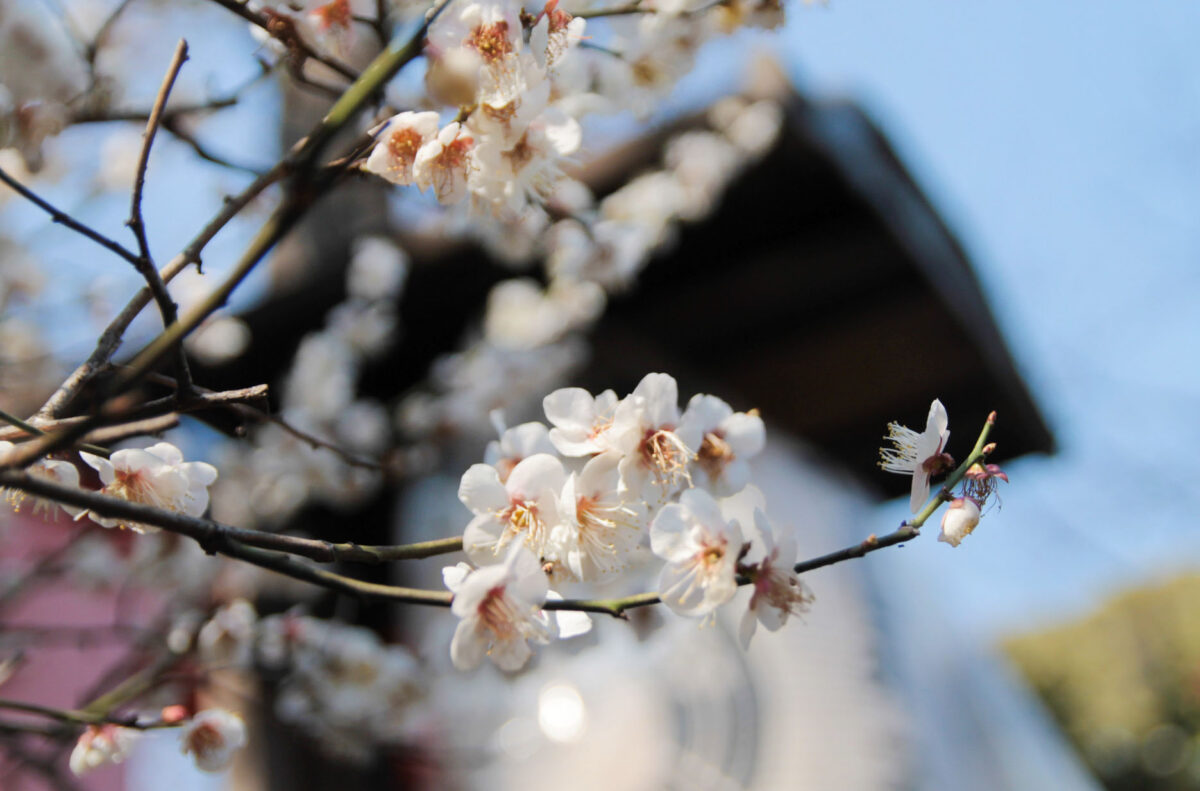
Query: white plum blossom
[395, 150]
[492, 30]
[444, 163]
[500, 608]
[500, 126]
[346, 688]
[515, 444]
[555, 32]
[701, 548]
[53, 470]
[331, 24]
[648, 431]
[157, 476]
[960, 519]
[378, 268]
[778, 591]
[511, 177]
[521, 510]
[212, 737]
[918, 455]
[228, 637]
[582, 424]
[600, 531]
[101, 744]
[728, 439]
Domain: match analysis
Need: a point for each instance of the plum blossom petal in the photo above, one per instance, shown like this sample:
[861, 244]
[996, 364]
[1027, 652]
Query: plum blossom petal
[101, 744]
[728, 439]
[60, 472]
[212, 737]
[581, 422]
[961, 518]
[778, 590]
[156, 476]
[701, 549]
[500, 608]
[914, 454]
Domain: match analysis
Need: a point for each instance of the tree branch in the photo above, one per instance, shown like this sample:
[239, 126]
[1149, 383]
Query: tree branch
[145, 262]
[252, 545]
[110, 339]
[62, 218]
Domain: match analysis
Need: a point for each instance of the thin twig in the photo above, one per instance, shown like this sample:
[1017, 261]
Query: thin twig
[305, 191]
[314, 441]
[84, 717]
[101, 37]
[62, 218]
[32, 430]
[145, 262]
[631, 8]
[68, 431]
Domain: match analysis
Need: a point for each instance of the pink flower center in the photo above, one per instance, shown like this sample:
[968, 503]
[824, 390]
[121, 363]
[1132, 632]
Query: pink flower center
[496, 613]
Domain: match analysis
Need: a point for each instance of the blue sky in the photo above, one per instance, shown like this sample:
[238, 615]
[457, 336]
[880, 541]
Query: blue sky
[1061, 142]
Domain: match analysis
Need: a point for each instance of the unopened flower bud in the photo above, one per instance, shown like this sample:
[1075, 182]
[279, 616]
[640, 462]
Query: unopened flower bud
[960, 519]
[174, 713]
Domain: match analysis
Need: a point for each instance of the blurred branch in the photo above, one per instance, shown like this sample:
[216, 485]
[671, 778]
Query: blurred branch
[282, 28]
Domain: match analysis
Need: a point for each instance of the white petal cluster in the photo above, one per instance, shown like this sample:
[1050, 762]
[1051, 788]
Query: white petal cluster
[212, 738]
[610, 484]
[341, 684]
[54, 470]
[227, 639]
[914, 453]
[279, 473]
[156, 476]
[500, 612]
[701, 548]
[39, 75]
[778, 592]
[99, 745]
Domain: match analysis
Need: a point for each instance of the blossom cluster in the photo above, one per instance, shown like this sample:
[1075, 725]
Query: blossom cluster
[923, 456]
[608, 485]
[282, 472]
[212, 737]
[339, 683]
[531, 335]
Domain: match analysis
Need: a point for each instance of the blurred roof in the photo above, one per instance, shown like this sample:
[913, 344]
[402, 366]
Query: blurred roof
[824, 290]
